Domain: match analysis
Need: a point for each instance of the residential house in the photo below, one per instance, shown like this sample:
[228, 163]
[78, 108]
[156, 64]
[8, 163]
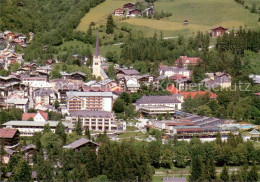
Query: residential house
[218, 31]
[45, 96]
[186, 22]
[83, 142]
[7, 155]
[49, 62]
[40, 107]
[223, 79]
[132, 84]
[74, 76]
[29, 80]
[185, 62]
[129, 6]
[122, 72]
[61, 87]
[94, 120]
[9, 35]
[255, 78]
[133, 13]
[39, 116]
[28, 128]
[21, 103]
[170, 71]
[119, 12]
[28, 152]
[10, 136]
[148, 12]
[93, 101]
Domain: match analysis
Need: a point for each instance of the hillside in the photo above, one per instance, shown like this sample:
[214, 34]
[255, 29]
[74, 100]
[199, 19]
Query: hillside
[201, 14]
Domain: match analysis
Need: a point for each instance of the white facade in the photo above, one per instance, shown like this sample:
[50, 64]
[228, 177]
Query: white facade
[28, 128]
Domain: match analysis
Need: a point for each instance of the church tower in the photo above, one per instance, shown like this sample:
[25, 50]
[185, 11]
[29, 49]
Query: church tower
[97, 60]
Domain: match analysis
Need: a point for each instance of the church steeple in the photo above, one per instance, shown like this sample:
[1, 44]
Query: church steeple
[97, 54]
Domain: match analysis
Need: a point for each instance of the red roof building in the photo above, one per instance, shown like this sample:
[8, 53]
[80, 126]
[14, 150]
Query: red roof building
[191, 94]
[218, 31]
[35, 116]
[184, 61]
[10, 136]
[195, 93]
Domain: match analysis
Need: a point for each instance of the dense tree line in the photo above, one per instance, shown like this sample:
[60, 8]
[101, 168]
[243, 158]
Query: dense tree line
[133, 160]
[239, 42]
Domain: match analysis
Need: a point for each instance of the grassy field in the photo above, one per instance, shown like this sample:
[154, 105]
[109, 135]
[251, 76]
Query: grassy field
[249, 3]
[201, 14]
[131, 134]
[99, 14]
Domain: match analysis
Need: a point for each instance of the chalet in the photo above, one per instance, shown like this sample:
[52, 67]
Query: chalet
[148, 12]
[8, 79]
[223, 79]
[74, 76]
[119, 12]
[40, 116]
[218, 31]
[28, 152]
[129, 6]
[133, 13]
[48, 62]
[7, 155]
[9, 35]
[185, 62]
[186, 22]
[122, 72]
[10, 136]
[80, 143]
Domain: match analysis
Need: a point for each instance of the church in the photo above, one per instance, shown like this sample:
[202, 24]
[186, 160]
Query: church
[97, 63]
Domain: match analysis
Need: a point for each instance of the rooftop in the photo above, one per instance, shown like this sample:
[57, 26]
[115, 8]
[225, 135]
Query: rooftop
[7, 133]
[79, 143]
[86, 113]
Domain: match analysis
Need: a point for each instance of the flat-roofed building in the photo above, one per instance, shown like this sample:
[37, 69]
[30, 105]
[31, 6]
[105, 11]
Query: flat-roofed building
[91, 101]
[28, 128]
[95, 120]
[158, 101]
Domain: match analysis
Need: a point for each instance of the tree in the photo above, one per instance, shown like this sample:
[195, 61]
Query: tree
[110, 25]
[56, 104]
[212, 169]
[60, 131]
[253, 175]
[87, 133]
[224, 174]
[22, 172]
[119, 106]
[46, 128]
[111, 73]
[196, 168]
[78, 127]
[55, 74]
[253, 9]
[167, 159]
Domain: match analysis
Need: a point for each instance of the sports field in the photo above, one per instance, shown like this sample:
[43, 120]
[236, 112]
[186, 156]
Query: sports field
[201, 14]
